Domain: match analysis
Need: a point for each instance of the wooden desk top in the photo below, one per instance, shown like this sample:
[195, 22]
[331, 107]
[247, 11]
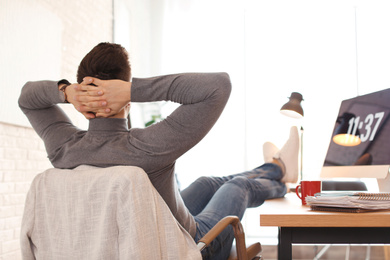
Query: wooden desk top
[289, 212]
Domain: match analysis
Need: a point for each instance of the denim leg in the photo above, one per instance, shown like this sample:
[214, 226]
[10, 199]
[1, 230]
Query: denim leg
[198, 194]
[231, 199]
[232, 196]
[266, 185]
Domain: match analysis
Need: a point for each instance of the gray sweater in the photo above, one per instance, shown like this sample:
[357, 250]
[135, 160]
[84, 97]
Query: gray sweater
[109, 142]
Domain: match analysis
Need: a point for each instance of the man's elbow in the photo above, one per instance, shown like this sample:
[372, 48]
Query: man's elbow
[21, 99]
[224, 83]
[24, 95]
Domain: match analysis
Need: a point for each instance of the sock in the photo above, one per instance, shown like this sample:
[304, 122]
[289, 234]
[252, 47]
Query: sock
[269, 151]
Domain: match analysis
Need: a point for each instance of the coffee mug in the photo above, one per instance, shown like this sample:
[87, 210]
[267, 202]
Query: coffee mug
[308, 188]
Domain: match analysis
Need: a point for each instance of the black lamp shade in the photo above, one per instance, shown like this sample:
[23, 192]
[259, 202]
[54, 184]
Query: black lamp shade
[293, 107]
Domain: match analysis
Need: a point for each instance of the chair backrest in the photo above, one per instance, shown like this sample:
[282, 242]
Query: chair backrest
[100, 213]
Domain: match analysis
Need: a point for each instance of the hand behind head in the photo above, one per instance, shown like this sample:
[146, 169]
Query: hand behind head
[105, 98]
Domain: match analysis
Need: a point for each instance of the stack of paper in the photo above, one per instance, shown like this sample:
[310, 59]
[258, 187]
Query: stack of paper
[350, 201]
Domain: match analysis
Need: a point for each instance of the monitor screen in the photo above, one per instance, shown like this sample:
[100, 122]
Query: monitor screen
[360, 143]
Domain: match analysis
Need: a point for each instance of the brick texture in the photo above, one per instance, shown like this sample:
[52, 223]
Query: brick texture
[17, 169]
[22, 154]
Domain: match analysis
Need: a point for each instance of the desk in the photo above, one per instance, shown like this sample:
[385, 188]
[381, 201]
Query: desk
[298, 224]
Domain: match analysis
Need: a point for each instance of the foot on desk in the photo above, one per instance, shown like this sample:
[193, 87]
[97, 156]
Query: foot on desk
[288, 157]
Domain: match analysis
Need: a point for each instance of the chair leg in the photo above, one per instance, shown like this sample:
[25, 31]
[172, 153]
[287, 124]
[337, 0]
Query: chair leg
[387, 252]
[368, 252]
[347, 252]
[322, 251]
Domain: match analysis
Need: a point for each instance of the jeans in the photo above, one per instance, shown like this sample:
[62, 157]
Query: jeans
[209, 199]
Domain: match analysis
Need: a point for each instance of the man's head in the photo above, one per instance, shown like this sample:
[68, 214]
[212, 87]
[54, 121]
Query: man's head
[105, 61]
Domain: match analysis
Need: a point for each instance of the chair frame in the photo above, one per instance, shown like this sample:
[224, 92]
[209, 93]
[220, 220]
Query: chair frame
[242, 252]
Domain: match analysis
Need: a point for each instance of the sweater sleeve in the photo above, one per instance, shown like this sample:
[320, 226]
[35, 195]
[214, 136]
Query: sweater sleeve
[202, 96]
[38, 101]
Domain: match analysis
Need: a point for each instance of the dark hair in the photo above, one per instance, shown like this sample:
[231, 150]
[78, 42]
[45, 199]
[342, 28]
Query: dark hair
[105, 61]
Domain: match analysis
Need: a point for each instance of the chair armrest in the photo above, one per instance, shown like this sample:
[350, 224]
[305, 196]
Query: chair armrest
[219, 227]
[252, 252]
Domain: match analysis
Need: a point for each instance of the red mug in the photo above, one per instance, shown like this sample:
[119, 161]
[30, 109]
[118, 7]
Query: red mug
[308, 188]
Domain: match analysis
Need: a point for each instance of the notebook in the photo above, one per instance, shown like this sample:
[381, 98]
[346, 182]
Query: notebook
[349, 201]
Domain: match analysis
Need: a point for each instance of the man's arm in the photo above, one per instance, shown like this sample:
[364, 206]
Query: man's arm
[38, 101]
[203, 97]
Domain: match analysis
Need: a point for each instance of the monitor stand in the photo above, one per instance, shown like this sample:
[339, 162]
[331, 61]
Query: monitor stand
[384, 183]
[379, 172]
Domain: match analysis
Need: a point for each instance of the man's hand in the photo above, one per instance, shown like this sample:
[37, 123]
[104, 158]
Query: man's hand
[70, 93]
[104, 98]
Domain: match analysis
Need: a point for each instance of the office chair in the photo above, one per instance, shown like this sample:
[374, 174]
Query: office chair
[240, 251]
[109, 213]
[343, 186]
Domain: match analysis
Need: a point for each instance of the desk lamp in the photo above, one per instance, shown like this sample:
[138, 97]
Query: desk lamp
[294, 109]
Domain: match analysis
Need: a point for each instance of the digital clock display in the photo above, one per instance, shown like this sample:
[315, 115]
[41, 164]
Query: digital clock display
[361, 133]
[369, 126]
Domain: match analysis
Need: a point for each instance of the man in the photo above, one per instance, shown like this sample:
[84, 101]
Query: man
[104, 95]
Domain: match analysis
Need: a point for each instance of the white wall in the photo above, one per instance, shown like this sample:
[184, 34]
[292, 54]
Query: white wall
[39, 39]
[326, 50]
[24, 46]
[208, 36]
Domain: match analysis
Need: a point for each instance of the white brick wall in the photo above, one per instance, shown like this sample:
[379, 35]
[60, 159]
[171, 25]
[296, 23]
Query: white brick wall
[22, 154]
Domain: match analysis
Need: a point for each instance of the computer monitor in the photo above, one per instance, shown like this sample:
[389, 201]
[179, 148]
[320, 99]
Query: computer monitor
[360, 143]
